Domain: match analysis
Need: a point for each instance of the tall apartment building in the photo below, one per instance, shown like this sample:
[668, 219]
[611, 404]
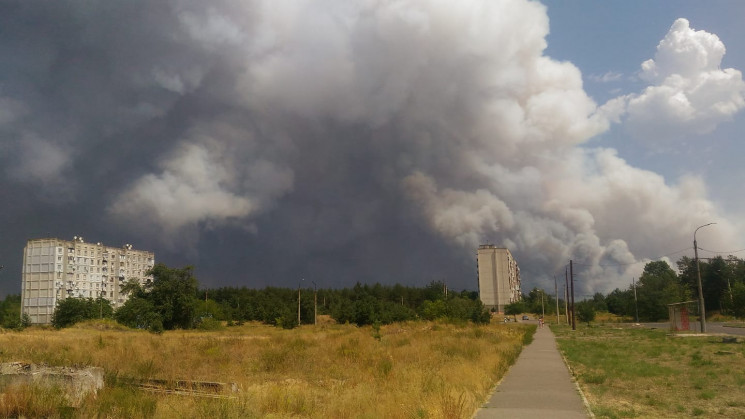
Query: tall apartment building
[55, 269]
[499, 277]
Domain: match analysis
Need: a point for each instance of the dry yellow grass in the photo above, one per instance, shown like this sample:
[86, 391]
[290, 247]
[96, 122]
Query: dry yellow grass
[416, 369]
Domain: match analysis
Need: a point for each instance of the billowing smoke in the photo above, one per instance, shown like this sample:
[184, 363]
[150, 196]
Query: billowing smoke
[368, 140]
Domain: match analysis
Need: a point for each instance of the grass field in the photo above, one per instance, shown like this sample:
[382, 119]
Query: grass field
[634, 372]
[407, 370]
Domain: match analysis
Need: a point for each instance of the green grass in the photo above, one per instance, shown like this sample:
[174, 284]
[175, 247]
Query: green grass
[636, 372]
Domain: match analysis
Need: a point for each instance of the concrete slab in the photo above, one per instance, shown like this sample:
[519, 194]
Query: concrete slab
[75, 382]
[539, 385]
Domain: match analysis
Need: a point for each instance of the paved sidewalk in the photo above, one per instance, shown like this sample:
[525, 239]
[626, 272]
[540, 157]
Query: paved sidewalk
[537, 386]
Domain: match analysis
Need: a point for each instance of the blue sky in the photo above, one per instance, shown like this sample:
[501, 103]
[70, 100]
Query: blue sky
[616, 37]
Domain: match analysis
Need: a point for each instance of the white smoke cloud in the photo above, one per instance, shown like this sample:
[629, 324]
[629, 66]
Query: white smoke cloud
[40, 161]
[10, 110]
[690, 93]
[335, 122]
[487, 129]
[205, 181]
[188, 191]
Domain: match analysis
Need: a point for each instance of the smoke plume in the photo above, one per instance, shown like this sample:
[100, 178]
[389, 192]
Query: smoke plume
[350, 141]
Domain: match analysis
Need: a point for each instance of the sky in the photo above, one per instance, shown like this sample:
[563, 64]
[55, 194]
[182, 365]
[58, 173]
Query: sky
[282, 143]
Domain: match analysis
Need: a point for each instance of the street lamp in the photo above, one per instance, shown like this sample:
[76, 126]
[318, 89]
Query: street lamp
[315, 303]
[702, 311]
[298, 301]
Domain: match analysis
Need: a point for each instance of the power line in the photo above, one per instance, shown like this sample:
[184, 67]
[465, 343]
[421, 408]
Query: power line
[729, 252]
[610, 265]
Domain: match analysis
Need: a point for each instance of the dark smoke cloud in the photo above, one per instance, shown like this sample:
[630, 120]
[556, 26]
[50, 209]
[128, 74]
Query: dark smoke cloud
[266, 142]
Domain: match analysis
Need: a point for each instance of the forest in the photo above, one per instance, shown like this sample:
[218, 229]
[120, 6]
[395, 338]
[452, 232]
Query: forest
[174, 300]
[646, 298]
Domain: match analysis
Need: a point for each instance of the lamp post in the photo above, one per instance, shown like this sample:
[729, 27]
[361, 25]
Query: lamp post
[636, 305]
[702, 311]
[298, 301]
[315, 303]
[556, 294]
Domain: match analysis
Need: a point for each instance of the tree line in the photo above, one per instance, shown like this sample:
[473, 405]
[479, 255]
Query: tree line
[10, 313]
[173, 300]
[723, 284]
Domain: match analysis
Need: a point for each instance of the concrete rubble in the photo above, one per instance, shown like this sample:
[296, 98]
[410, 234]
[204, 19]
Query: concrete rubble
[76, 383]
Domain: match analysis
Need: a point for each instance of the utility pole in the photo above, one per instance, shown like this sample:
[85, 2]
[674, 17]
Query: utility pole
[566, 293]
[315, 303]
[556, 294]
[636, 306]
[298, 302]
[571, 283]
[543, 309]
[702, 311]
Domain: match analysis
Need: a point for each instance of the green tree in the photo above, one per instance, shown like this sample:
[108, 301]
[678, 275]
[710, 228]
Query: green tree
[139, 313]
[479, 313]
[599, 303]
[74, 310]
[10, 313]
[168, 302]
[714, 275]
[738, 297]
[658, 287]
[433, 309]
[687, 274]
[515, 308]
[173, 292]
[586, 311]
[620, 302]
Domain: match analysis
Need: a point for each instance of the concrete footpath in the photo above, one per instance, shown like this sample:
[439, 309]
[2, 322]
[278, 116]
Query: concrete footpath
[537, 386]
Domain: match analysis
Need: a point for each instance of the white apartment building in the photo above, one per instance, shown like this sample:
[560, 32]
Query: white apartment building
[499, 277]
[55, 269]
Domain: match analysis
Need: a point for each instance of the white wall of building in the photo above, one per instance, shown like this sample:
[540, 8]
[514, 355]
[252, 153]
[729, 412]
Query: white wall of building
[55, 269]
[499, 277]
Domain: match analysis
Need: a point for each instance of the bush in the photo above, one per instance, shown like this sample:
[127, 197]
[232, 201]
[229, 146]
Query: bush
[287, 321]
[209, 323]
[585, 311]
[139, 313]
[73, 310]
[16, 323]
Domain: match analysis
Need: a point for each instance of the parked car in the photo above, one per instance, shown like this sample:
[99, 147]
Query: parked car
[526, 318]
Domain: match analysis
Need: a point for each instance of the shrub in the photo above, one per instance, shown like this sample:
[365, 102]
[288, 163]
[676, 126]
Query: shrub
[585, 311]
[73, 310]
[209, 323]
